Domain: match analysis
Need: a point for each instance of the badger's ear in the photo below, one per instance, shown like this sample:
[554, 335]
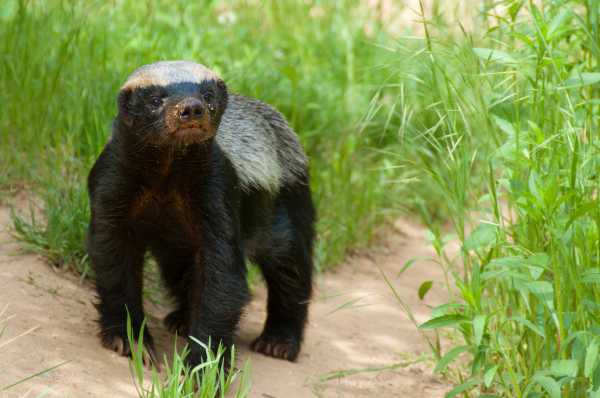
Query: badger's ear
[124, 104]
[222, 88]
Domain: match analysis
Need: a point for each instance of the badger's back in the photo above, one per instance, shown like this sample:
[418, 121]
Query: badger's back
[263, 149]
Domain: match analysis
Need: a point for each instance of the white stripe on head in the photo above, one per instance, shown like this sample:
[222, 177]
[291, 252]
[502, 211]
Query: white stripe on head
[164, 73]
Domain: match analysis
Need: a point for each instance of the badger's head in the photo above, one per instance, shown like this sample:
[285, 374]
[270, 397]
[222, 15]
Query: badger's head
[171, 104]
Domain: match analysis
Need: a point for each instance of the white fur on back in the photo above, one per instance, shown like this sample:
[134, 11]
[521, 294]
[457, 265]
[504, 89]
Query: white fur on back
[264, 150]
[164, 73]
[249, 143]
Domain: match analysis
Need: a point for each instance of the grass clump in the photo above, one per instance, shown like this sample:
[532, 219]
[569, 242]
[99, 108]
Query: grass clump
[177, 380]
[524, 284]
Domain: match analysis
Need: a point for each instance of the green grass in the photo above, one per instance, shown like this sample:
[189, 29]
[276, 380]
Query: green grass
[176, 379]
[513, 148]
[62, 62]
[494, 130]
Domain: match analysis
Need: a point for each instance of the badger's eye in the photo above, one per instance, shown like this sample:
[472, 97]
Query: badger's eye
[156, 101]
[208, 96]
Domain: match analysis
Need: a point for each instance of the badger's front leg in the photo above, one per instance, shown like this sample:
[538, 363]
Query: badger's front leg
[118, 264]
[219, 290]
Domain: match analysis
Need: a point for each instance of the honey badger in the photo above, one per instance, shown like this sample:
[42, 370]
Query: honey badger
[203, 180]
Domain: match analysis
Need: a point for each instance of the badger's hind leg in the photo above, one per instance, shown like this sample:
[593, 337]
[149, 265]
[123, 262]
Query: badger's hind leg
[287, 268]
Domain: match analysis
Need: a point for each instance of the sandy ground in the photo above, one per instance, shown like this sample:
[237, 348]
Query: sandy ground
[355, 322]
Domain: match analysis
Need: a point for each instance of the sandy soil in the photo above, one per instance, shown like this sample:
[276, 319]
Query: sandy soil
[355, 322]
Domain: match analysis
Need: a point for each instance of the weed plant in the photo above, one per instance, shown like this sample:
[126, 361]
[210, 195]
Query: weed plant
[176, 379]
[524, 285]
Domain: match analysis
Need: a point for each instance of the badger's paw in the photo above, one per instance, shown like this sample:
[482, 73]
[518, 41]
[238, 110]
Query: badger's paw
[281, 347]
[119, 343]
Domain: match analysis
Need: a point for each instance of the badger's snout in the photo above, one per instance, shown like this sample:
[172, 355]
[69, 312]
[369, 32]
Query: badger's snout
[189, 110]
[189, 121]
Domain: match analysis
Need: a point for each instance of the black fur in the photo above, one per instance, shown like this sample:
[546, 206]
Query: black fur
[182, 202]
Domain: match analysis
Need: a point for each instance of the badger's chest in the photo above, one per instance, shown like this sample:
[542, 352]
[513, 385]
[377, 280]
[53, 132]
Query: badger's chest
[165, 214]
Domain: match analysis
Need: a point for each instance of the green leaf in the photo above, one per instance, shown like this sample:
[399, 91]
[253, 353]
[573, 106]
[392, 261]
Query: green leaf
[537, 264]
[514, 261]
[449, 357]
[530, 325]
[467, 385]
[536, 272]
[488, 376]
[548, 384]
[407, 265]
[483, 235]
[591, 356]
[564, 368]
[448, 308]
[594, 394]
[444, 321]
[533, 187]
[583, 210]
[541, 288]
[497, 274]
[591, 275]
[559, 21]
[490, 54]
[505, 126]
[478, 328]
[514, 7]
[583, 79]
[424, 288]
[539, 260]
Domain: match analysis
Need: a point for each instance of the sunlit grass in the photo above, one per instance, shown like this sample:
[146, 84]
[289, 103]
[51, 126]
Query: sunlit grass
[512, 147]
[176, 379]
[495, 131]
[62, 62]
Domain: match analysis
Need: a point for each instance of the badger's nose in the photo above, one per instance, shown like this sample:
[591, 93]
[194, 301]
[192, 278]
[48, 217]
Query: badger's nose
[190, 109]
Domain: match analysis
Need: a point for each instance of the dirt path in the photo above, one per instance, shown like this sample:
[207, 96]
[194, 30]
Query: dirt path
[355, 323]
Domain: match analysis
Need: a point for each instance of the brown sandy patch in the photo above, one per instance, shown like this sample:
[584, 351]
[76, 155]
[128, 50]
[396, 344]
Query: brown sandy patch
[355, 323]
